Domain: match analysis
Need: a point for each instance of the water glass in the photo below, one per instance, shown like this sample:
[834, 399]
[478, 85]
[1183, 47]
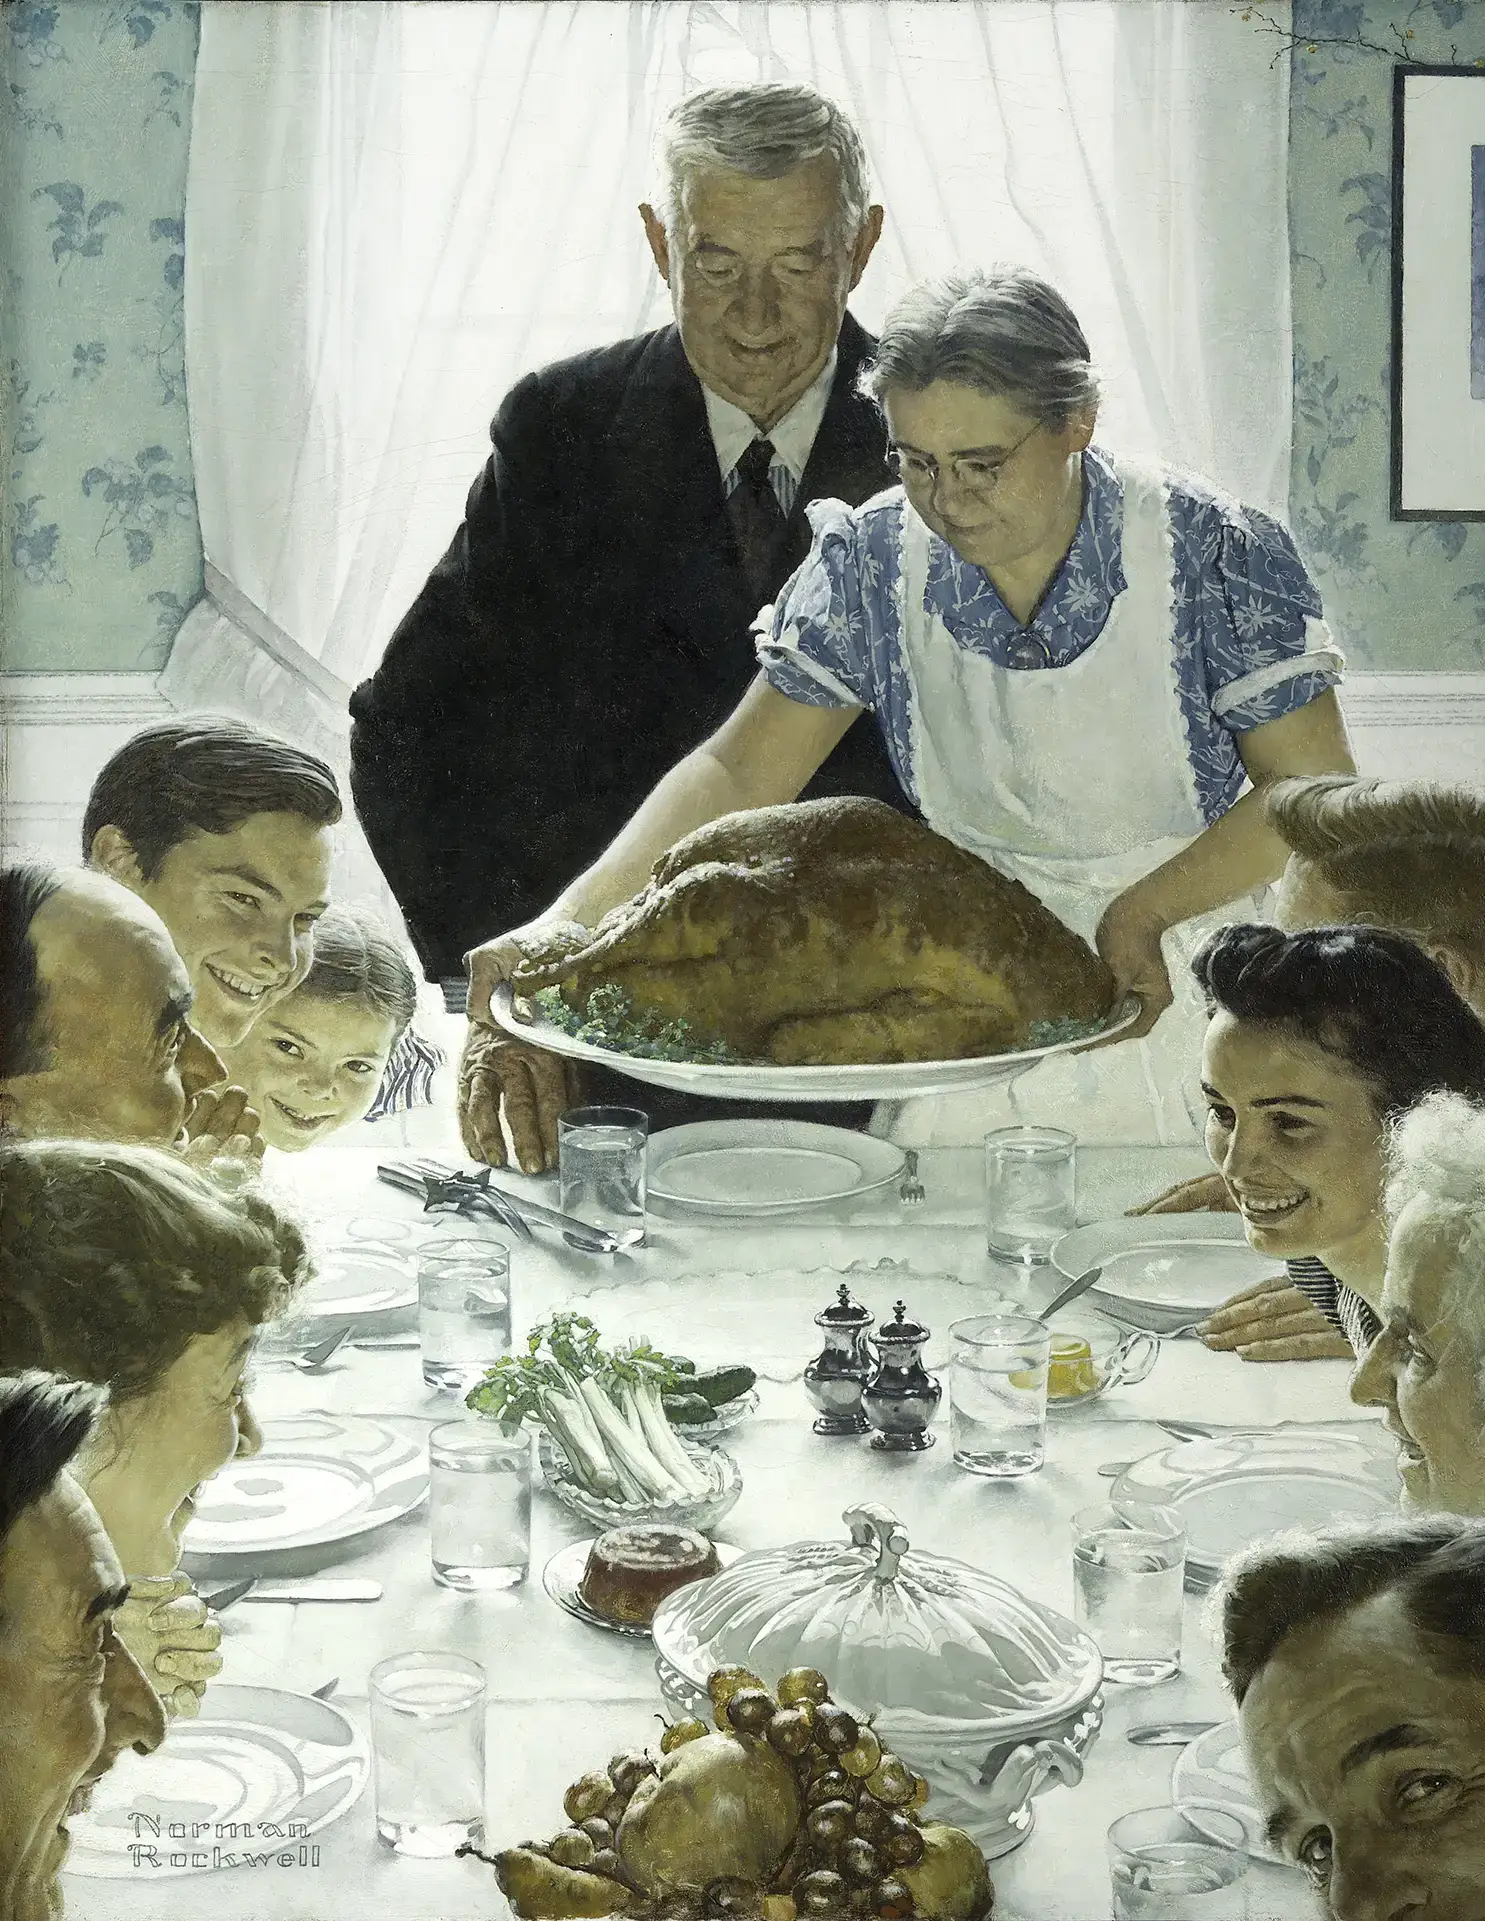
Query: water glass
[1167, 1864]
[601, 1154]
[1030, 1191]
[1129, 1568]
[463, 1309]
[479, 1502]
[998, 1394]
[428, 1752]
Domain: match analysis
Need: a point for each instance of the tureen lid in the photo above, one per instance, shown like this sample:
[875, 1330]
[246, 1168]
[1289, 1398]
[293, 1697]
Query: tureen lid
[890, 1629]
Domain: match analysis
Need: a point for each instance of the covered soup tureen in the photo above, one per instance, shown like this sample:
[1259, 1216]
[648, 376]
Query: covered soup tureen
[989, 1695]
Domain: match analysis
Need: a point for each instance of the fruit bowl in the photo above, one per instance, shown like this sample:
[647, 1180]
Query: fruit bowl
[721, 1472]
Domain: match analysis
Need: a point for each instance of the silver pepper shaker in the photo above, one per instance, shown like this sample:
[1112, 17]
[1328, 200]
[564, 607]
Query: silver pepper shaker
[901, 1397]
[835, 1378]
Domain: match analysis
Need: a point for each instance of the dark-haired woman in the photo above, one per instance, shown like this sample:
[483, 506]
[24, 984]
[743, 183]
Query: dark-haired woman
[1317, 1043]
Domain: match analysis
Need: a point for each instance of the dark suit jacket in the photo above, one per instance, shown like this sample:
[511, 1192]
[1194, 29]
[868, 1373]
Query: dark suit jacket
[586, 629]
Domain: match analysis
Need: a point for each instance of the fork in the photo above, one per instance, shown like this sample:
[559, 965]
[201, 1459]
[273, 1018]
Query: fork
[912, 1190]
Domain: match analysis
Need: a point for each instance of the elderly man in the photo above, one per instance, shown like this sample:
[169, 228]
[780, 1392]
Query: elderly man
[1358, 1663]
[72, 1697]
[1408, 856]
[591, 621]
[95, 1039]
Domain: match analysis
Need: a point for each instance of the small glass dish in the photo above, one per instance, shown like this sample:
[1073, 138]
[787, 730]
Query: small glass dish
[724, 1418]
[720, 1470]
[1090, 1354]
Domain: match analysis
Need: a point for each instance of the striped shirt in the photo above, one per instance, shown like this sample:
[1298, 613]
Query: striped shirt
[1341, 1305]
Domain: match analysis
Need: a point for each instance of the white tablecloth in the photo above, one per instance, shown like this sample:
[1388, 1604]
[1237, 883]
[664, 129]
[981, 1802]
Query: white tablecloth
[564, 1696]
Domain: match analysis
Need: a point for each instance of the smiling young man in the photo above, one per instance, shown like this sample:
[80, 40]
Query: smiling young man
[1357, 1660]
[226, 832]
[72, 1697]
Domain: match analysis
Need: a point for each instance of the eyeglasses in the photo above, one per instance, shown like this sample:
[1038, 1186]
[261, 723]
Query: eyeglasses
[975, 476]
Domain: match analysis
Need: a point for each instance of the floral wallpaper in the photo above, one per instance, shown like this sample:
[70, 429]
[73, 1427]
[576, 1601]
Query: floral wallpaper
[1401, 595]
[101, 554]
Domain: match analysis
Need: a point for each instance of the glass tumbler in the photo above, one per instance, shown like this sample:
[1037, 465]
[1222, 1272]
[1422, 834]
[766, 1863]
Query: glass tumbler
[601, 1157]
[428, 1752]
[479, 1501]
[1179, 1864]
[463, 1309]
[1129, 1576]
[1030, 1191]
[998, 1394]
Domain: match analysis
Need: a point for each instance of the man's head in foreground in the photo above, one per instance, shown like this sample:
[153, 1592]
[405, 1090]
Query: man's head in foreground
[72, 1697]
[1357, 1659]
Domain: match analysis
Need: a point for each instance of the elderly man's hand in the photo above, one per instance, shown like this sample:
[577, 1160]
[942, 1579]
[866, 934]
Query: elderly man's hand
[174, 1636]
[1274, 1321]
[1207, 1194]
[501, 1078]
[222, 1124]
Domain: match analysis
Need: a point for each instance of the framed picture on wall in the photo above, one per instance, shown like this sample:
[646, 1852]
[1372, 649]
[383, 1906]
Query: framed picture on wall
[1438, 293]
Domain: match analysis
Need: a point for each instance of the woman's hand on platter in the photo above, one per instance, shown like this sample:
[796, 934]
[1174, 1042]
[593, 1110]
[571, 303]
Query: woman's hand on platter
[175, 1638]
[1128, 941]
[1207, 1194]
[1274, 1321]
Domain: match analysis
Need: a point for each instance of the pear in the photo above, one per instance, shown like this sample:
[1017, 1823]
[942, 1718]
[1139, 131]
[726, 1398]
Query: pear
[542, 1890]
[725, 1805]
[951, 1882]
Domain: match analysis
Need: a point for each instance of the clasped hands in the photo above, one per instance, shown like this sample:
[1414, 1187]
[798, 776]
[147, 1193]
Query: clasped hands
[174, 1636]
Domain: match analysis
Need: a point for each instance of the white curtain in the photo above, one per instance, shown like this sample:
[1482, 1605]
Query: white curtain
[394, 211]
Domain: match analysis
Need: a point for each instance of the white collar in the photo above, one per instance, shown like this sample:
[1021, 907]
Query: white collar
[792, 437]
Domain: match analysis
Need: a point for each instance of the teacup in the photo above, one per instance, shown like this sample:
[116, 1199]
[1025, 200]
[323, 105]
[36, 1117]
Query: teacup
[1091, 1354]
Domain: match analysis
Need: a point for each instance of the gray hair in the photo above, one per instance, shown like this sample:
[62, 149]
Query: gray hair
[1436, 1156]
[763, 131]
[1003, 331]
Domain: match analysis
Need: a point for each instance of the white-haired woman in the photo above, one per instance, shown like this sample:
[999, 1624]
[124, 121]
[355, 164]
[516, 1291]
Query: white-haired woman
[1076, 663]
[1427, 1366]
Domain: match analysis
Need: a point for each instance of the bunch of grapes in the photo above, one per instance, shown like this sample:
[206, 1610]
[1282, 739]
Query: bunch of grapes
[860, 1827]
[595, 1805]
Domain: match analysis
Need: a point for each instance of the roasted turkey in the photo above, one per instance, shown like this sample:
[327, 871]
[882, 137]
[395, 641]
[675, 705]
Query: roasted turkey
[830, 932]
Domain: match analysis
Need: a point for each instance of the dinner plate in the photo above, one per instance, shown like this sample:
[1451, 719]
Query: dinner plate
[351, 1280]
[1211, 1772]
[561, 1575]
[1239, 1488]
[766, 1167]
[763, 1081]
[319, 1478]
[1164, 1271]
[251, 1779]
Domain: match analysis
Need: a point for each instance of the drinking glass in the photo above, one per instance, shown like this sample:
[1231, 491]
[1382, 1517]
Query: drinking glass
[428, 1752]
[601, 1154]
[1030, 1191]
[1167, 1864]
[1129, 1567]
[998, 1394]
[479, 1505]
[463, 1309]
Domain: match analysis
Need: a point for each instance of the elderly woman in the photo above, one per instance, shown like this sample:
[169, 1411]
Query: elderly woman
[1427, 1365]
[1077, 664]
[1317, 1043]
[121, 1266]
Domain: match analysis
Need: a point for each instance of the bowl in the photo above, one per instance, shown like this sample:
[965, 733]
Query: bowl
[1091, 1354]
[723, 1476]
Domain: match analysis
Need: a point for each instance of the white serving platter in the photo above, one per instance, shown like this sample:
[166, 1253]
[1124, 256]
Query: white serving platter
[762, 1081]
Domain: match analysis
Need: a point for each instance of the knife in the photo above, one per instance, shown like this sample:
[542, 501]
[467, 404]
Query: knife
[1168, 1734]
[592, 1240]
[252, 1588]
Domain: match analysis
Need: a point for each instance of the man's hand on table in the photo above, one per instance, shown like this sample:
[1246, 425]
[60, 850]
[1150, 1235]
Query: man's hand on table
[174, 1637]
[501, 1078]
[1208, 1193]
[1274, 1321]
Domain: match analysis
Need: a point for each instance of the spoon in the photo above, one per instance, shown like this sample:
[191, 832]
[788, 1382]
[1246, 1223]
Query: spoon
[1167, 1734]
[1080, 1286]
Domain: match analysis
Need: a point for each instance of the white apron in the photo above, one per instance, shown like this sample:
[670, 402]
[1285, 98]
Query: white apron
[1076, 781]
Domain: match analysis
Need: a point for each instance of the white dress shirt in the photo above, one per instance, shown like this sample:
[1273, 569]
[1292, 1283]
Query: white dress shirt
[733, 432]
